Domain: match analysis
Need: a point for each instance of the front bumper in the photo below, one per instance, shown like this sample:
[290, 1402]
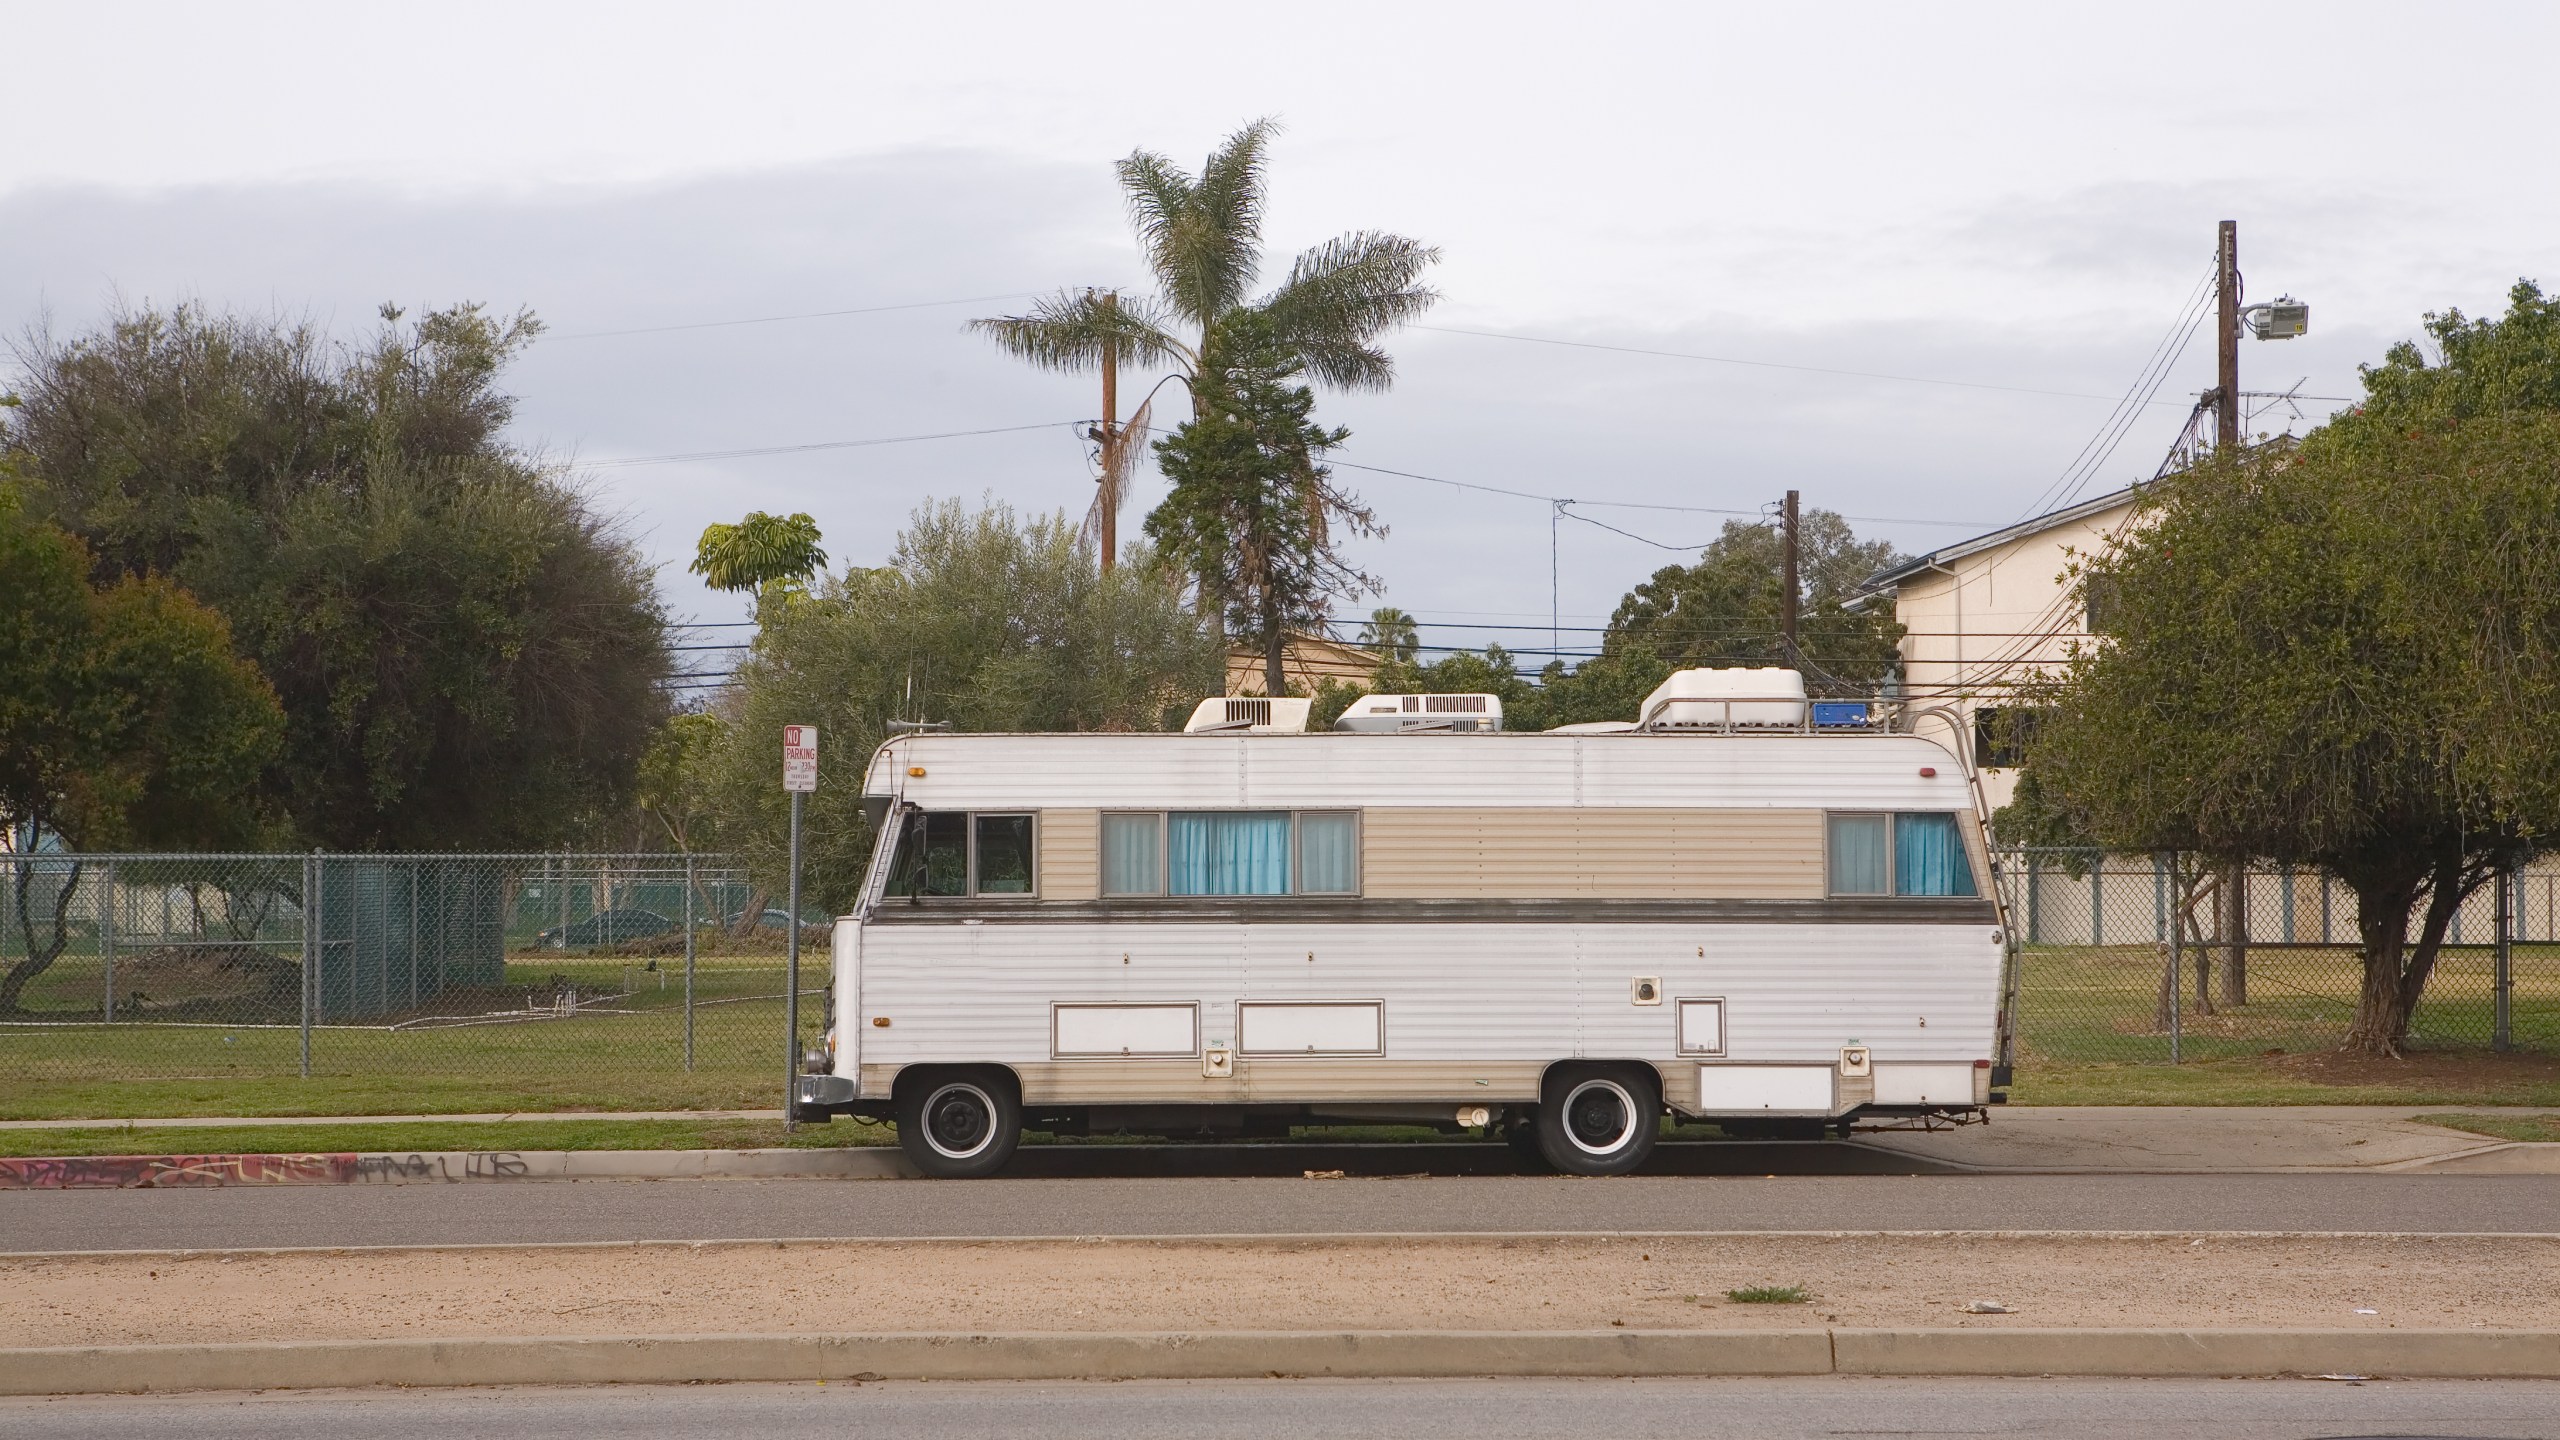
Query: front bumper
[823, 1097]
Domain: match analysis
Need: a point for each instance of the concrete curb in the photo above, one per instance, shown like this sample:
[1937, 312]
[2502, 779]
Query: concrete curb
[677, 1359]
[160, 1172]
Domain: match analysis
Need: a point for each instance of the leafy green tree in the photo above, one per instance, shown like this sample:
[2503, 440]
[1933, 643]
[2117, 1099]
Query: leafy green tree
[2481, 367]
[467, 654]
[761, 554]
[2347, 656]
[982, 618]
[1254, 514]
[125, 722]
[678, 783]
[1725, 609]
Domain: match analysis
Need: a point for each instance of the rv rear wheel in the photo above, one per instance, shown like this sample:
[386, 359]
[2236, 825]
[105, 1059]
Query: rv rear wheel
[959, 1125]
[1599, 1120]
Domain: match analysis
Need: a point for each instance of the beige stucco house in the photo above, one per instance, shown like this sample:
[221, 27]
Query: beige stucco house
[1982, 614]
[1308, 661]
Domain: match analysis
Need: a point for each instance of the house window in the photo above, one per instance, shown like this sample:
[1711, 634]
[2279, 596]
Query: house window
[1915, 852]
[2002, 735]
[1231, 852]
[950, 854]
[2098, 598]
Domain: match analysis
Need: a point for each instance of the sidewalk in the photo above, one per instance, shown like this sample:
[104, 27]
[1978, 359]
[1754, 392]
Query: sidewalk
[2044, 1139]
[2169, 1139]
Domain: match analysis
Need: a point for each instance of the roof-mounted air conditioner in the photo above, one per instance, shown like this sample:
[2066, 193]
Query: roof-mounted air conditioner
[1249, 715]
[1403, 714]
[1766, 697]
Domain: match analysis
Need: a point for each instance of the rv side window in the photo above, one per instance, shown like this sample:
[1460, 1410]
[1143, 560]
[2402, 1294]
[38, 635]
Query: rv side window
[1003, 859]
[957, 855]
[1928, 856]
[1133, 854]
[1329, 853]
[1227, 852]
[1861, 855]
[1231, 852]
[933, 857]
[1913, 853]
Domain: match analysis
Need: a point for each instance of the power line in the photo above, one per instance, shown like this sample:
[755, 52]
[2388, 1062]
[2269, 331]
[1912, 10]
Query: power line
[1762, 364]
[749, 452]
[1628, 504]
[805, 315]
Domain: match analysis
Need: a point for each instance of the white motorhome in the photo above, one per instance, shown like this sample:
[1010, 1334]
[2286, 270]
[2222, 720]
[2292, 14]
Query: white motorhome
[1737, 908]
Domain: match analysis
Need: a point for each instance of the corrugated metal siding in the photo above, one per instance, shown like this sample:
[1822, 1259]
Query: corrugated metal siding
[1505, 771]
[1470, 994]
[1070, 857]
[1687, 854]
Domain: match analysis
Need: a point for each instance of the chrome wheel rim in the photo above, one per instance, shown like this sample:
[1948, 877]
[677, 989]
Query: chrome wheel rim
[1600, 1117]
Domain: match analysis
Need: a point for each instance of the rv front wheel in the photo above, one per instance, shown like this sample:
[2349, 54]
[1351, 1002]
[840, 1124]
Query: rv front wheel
[959, 1126]
[1599, 1121]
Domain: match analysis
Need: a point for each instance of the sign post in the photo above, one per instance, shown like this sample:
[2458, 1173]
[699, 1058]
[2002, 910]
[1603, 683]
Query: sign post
[799, 776]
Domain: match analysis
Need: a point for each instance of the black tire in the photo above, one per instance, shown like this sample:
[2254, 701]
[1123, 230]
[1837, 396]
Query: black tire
[1599, 1119]
[959, 1124]
[1520, 1132]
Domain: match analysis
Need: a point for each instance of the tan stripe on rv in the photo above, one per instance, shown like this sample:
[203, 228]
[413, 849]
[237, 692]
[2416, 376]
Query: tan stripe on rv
[1686, 854]
[1070, 856]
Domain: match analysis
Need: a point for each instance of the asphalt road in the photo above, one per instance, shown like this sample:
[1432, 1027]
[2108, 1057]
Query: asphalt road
[245, 1217]
[1344, 1410]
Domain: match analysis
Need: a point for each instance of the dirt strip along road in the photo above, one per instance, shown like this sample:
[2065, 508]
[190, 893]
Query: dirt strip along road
[1580, 1283]
[503, 1213]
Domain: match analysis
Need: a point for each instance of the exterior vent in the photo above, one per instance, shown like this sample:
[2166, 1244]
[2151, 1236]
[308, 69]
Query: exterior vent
[1249, 715]
[1431, 714]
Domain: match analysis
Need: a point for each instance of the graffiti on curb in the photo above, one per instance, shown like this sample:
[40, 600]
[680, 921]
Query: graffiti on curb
[156, 1172]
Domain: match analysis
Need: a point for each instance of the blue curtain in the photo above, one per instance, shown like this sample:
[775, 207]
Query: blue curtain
[1328, 854]
[1228, 853]
[1929, 858]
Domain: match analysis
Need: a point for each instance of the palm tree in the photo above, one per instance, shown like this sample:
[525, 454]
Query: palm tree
[1202, 237]
[1393, 634]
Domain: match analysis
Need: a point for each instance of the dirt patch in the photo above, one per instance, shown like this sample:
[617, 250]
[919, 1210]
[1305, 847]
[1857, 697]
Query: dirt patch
[2447, 1071]
[1531, 1284]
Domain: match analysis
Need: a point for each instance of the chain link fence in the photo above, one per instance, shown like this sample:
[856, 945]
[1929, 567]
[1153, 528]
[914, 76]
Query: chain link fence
[2103, 976]
[143, 984]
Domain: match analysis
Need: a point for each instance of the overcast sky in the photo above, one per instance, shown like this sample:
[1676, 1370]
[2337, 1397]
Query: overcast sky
[1982, 196]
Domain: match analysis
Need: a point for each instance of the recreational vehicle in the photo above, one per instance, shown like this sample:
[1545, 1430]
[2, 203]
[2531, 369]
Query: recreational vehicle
[1737, 907]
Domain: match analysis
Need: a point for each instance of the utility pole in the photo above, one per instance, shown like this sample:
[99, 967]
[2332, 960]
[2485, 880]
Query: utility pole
[1789, 585]
[2227, 440]
[2226, 339]
[1110, 442]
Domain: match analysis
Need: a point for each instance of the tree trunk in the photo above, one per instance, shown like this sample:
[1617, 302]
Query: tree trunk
[40, 958]
[2203, 950]
[753, 915]
[2235, 936]
[1275, 646]
[2395, 971]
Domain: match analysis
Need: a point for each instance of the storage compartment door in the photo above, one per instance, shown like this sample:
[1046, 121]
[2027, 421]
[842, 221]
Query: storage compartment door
[1950, 1083]
[1300, 1027]
[1745, 1089]
[1083, 1032]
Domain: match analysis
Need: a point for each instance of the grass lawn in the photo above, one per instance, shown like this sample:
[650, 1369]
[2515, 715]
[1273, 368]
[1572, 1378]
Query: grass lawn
[408, 1136]
[623, 1051]
[2544, 1129]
